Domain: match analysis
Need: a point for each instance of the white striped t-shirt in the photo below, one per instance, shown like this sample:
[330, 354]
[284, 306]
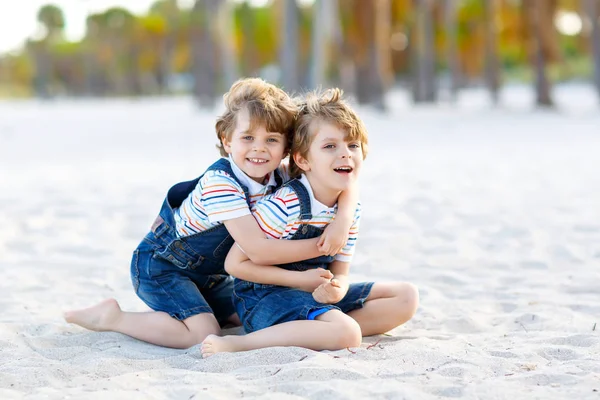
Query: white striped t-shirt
[218, 197]
[278, 215]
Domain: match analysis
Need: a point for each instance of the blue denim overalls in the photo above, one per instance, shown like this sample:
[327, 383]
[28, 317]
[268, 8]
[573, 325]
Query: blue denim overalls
[260, 306]
[185, 276]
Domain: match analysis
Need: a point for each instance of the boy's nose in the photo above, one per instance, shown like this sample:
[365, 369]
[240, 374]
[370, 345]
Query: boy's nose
[258, 145]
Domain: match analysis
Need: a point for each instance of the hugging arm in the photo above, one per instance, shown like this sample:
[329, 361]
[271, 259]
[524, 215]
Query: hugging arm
[238, 265]
[248, 234]
[335, 236]
[261, 250]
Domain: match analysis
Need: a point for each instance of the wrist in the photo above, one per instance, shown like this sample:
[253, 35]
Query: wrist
[295, 280]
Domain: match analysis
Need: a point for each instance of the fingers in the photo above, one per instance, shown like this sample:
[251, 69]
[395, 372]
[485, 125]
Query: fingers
[335, 283]
[321, 240]
[325, 273]
[319, 295]
[325, 249]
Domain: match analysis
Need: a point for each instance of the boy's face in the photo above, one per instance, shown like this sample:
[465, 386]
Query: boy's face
[332, 162]
[257, 152]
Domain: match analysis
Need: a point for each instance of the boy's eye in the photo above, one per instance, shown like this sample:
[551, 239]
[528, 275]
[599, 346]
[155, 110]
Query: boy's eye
[273, 140]
[329, 146]
[354, 145]
[247, 138]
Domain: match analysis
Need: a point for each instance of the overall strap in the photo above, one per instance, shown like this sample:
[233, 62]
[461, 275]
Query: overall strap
[278, 179]
[223, 164]
[303, 198]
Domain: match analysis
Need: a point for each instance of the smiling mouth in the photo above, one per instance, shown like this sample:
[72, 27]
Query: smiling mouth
[257, 160]
[344, 170]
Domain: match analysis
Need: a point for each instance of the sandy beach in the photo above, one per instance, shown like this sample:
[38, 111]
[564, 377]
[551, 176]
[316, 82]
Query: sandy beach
[492, 212]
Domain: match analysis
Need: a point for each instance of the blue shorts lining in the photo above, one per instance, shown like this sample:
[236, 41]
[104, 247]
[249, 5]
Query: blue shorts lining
[315, 313]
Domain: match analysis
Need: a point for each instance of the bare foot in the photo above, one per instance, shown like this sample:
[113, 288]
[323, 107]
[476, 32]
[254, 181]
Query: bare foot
[101, 317]
[214, 344]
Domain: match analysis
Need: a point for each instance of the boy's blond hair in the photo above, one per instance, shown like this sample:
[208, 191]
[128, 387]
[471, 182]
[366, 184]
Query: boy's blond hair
[330, 107]
[266, 105]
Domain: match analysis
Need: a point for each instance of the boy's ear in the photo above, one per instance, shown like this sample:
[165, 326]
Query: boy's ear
[226, 144]
[301, 162]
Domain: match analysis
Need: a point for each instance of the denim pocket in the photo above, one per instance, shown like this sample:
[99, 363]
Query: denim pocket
[181, 255]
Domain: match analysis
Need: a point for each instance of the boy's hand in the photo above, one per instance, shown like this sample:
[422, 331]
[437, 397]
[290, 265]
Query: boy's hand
[333, 239]
[313, 278]
[331, 292]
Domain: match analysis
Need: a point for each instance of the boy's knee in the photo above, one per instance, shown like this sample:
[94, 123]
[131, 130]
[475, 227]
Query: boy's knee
[350, 334]
[408, 296]
[199, 327]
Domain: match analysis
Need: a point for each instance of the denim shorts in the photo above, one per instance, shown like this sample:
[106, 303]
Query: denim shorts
[179, 292]
[260, 306]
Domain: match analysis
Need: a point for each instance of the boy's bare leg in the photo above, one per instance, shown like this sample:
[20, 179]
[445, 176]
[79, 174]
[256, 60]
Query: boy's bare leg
[390, 304]
[153, 327]
[332, 330]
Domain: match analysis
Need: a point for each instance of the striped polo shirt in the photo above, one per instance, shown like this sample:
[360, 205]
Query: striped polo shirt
[278, 215]
[218, 197]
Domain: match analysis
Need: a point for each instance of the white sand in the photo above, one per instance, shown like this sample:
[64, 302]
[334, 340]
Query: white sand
[494, 214]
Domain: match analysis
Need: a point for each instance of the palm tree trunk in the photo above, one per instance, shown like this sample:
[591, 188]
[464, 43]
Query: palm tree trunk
[542, 82]
[319, 40]
[203, 52]
[288, 52]
[226, 33]
[364, 12]
[249, 66]
[593, 9]
[346, 69]
[492, 77]
[383, 54]
[43, 68]
[452, 47]
[134, 83]
[424, 53]
[164, 63]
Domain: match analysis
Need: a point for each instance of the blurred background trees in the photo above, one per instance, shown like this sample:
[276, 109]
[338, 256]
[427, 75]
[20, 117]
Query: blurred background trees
[432, 47]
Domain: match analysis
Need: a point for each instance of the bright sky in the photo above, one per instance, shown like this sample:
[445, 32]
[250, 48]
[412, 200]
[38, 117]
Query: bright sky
[18, 19]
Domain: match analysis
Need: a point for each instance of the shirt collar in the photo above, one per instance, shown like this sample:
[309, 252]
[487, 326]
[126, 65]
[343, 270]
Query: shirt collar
[316, 206]
[253, 186]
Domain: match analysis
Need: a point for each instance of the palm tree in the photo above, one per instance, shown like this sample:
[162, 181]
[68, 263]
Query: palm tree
[383, 51]
[249, 64]
[226, 44]
[371, 50]
[451, 14]
[52, 18]
[492, 77]
[203, 52]
[423, 42]
[122, 30]
[170, 12]
[534, 11]
[592, 10]
[319, 40]
[289, 44]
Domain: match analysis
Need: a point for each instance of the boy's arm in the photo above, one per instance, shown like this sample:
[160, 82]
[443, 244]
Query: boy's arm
[238, 265]
[335, 236]
[223, 200]
[340, 270]
[264, 251]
